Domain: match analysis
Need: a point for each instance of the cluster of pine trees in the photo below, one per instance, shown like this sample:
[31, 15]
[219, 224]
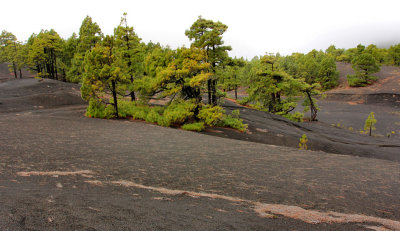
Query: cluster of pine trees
[120, 74]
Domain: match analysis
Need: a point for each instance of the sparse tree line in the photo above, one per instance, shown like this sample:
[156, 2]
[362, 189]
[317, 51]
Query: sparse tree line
[120, 74]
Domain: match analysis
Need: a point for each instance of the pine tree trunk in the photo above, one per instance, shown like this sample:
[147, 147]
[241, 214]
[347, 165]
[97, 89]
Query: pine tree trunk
[133, 97]
[114, 93]
[236, 88]
[214, 92]
[313, 109]
[15, 69]
[209, 91]
[64, 76]
[55, 66]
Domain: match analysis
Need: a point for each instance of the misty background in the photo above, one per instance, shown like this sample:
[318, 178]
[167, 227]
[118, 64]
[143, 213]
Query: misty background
[254, 26]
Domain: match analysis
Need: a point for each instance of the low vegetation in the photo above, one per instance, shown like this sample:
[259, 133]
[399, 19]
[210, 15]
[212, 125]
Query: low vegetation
[370, 122]
[303, 142]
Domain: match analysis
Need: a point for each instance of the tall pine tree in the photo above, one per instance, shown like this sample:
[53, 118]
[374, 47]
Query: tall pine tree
[89, 35]
[207, 35]
[128, 44]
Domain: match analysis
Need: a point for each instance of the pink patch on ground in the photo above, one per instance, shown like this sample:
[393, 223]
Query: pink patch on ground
[85, 173]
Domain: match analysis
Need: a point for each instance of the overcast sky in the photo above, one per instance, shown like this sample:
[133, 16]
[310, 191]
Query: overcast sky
[254, 26]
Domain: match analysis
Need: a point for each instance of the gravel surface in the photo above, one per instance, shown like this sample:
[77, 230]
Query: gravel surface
[62, 171]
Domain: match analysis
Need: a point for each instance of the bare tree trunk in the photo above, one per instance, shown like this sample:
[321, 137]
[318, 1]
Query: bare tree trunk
[133, 97]
[114, 93]
[64, 77]
[313, 109]
[15, 69]
[55, 66]
[236, 88]
[209, 91]
[20, 73]
[214, 92]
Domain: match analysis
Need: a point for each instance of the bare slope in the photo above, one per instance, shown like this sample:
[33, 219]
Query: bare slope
[62, 171]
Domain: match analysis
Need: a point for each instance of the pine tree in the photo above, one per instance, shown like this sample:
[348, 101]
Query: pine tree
[207, 35]
[231, 76]
[185, 75]
[67, 54]
[89, 35]
[11, 51]
[43, 52]
[394, 54]
[104, 74]
[328, 76]
[310, 103]
[364, 65]
[370, 123]
[128, 44]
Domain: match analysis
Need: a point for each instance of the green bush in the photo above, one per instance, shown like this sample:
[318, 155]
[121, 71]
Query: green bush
[211, 115]
[199, 126]
[232, 122]
[296, 117]
[140, 112]
[354, 81]
[109, 112]
[95, 109]
[153, 116]
[125, 108]
[235, 113]
[303, 142]
[244, 101]
[178, 112]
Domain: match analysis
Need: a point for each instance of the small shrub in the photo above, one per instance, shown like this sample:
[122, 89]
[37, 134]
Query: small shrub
[232, 122]
[370, 122]
[354, 81]
[243, 101]
[177, 112]
[95, 109]
[140, 112]
[296, 117]
[125, 108]
[109, 112]
[211, 115]
[303, 142]
[235, 113]
[153, 116]
[199, 126]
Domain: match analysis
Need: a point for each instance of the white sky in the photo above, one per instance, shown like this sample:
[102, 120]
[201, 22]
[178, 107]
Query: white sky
[255, 26]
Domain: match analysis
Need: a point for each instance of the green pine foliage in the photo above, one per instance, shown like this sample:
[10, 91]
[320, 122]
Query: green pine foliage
[233, 121]
[364, 65]
[198, 126]
[370, 122]
[104, 74]
[313, 67]
[211, 115]
[13, 52]
[127, 43]
[114, 70]
[89, 35]
[207, 36]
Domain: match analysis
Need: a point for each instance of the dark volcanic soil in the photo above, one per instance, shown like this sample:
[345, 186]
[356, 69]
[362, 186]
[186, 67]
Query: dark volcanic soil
[62, 171]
